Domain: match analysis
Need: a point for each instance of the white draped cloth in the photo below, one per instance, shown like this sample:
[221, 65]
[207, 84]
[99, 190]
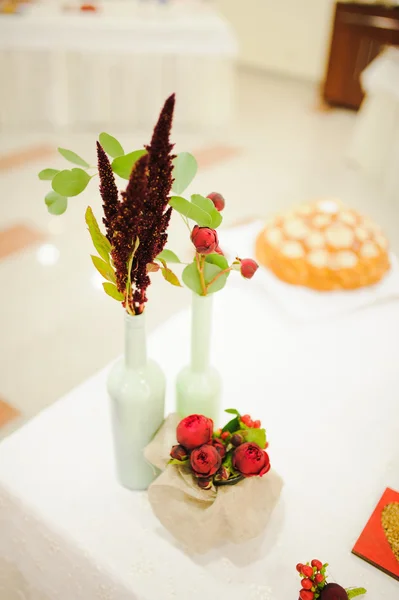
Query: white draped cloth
[327, 393]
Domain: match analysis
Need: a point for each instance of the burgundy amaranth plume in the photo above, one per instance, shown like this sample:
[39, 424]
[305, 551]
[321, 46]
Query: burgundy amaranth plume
[143, 213]
[108, 190]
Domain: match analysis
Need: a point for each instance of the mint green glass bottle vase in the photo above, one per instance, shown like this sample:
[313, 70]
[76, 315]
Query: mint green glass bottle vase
[199, 386]
[136, 387]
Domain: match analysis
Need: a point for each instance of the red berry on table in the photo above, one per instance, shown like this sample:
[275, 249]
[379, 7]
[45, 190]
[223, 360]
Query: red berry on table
[306, 595]
[317, 563]
[299, 567]
[248, 268]
[319, 578]
[307, 584]
[307, 571]
[217, 200]
[204, 239]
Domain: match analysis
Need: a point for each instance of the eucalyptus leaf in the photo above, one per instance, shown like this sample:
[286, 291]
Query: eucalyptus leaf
[48, 174]
[171, 277]
[56, 204]
[70, 182]
[112, 290]
[191, 211]
[210, 272]
[123, 165]
[99, 240]
[217, 259]
[168, 256]
[111, 145]
[184, 170]
[73, 157]
[104, 268]
[191, 278]
[208, 206]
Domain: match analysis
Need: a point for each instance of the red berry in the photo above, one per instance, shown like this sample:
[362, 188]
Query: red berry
[306, 595]
[225, 435]
[299, 567]
[307, 584]
[316, 563]
[246, 419]
[307, 571]
[248, 268]
[319, 578]
[204, 239]
[257, 424]
[217, 200]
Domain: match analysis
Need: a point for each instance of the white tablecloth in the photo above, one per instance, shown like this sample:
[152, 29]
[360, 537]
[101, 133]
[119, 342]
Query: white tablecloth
[115, 68]
[328, 396]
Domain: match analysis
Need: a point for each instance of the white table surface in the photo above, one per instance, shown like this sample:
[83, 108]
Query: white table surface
[328, 396]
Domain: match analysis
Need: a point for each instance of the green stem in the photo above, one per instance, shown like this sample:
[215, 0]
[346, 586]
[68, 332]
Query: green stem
[218, 275]
[200, 267]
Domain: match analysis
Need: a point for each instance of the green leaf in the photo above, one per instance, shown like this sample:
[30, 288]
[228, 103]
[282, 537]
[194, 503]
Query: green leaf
[232, 426]
[232, 411]
[70, 183]
[99, 240]
[73, 157]
[256, 436]
[191, 211]
[218, 260]
[181, 463]
[104, 268]
[123, 165]
[168, 256]
[208, 206]
[352, 593]
[112, 290]
[47, 174]
[184, 171]
[191, 278]
[210, 272]
[111, 145]
[152, 267]
[171, 277]
[56, 204]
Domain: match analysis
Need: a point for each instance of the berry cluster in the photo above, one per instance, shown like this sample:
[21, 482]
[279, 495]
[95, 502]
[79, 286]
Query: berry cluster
[313, 579]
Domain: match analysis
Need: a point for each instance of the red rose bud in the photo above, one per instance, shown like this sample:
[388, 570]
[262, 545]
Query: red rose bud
[237, 440]
[217, 200]
[219, 250]
[204, 239]
[306, 595]
[333, 591]
[317, 563]
[299, 567]
[307, 584]
[250, 460]
[205, 484]
[220, 447]
[222, 475]
[307, 571]
[205, 461]
[248, 268]
[194, 431]
[319, 578]
[179, 453]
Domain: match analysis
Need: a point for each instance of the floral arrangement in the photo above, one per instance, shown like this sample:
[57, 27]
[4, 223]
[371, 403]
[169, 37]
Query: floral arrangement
[314, 584]
[136, 220]
[224, 457]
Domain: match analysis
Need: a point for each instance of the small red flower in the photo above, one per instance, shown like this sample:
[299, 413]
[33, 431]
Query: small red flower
[299, 567]
[220, 447]
[205, 461]
[246, 419]
[248, 267]
[225, 435]
[257, 424]
[217, 200]
[204, 239]
[307, 584]
[307, 571]
[319, 578]
[306, 595]
[317, 563]
[194, 431]
[250, 460]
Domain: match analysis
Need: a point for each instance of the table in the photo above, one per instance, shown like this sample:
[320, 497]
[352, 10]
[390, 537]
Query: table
[114, 69]
[327, 393]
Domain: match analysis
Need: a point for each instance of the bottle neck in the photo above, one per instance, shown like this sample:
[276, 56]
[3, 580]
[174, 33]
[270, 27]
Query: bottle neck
[201, 329]
[135, 341]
